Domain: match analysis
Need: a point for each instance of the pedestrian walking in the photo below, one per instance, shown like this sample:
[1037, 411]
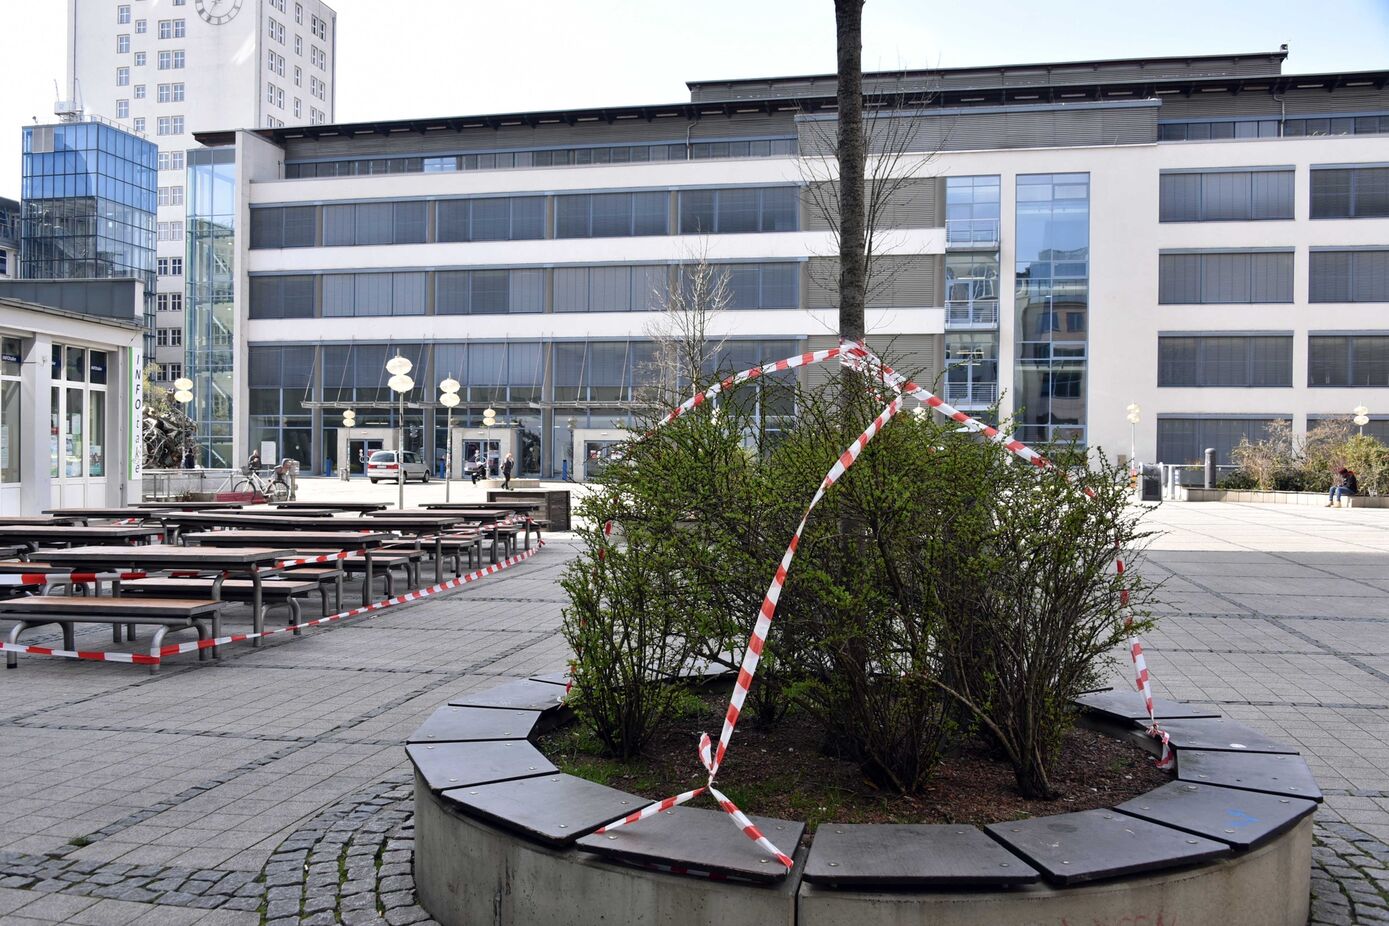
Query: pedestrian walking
[1343, 484]
[508, 465]
[189, 460]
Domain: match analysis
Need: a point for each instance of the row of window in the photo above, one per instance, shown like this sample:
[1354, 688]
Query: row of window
[1267, 360]
[625, 288]
[1273, 128]
[169, 302]
[170, 266]
[515, 218]
[1266, 276]
[1267, 193]
[168, 337]
[547, 157]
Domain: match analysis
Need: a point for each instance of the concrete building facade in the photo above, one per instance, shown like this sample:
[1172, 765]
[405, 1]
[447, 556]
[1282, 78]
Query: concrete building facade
[1205, 237]
[170, 68]
[9, 238]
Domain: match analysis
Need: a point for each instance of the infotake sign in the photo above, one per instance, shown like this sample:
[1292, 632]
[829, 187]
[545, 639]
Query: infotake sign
[135, 414]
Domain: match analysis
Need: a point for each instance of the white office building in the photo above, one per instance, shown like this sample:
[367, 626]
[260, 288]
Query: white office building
[170, 68]
[1206, 237]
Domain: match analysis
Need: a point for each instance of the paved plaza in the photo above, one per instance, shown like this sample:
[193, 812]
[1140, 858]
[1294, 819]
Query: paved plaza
[272, 786]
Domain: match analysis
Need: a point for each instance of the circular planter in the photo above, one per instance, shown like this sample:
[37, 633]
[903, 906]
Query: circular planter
[502, 836]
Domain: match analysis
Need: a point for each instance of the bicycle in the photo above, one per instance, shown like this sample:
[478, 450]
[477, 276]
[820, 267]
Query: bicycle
[274, 489]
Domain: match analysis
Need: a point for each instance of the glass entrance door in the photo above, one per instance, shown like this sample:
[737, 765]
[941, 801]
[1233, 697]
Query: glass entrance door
[77, 426]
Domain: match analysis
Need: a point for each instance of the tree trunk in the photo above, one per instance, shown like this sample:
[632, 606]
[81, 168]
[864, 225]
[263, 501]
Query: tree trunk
[848, 19]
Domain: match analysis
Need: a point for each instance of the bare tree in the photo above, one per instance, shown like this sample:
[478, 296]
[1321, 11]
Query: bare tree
[685, 346]
[853, 219]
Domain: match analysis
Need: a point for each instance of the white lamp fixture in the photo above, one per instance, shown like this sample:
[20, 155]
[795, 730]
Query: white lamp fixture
[399, 366]
[400, 383]
[1362, 417]
[448, 398]
[183, 390]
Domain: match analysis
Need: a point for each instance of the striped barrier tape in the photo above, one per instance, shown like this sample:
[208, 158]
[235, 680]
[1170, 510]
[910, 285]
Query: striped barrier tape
[855, 355]
[174, 649]
[65, 578]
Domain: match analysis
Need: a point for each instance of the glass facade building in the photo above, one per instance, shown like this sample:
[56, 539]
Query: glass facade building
[209, 312]
[89, 199]
[1052, 306]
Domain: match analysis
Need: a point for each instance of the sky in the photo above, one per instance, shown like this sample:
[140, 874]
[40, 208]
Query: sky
[409, 58]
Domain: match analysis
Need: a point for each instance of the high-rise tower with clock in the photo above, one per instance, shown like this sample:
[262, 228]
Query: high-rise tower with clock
[169, 68]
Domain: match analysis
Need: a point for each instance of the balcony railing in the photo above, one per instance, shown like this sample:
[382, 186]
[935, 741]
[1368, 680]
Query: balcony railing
[971, 234]
[971, 394]
[971, 313]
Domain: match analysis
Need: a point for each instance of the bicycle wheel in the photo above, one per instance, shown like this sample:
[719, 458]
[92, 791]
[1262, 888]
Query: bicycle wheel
[277, 491]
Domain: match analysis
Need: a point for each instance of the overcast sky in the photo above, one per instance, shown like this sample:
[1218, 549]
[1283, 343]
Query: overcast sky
[402, 58]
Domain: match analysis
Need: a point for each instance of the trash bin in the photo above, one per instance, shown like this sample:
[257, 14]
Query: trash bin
[1151, 483]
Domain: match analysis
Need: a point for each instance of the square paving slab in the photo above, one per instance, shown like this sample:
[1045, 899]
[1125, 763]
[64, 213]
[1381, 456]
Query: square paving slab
[465, 724]
[1073, 847]
[1129, 705]
[524, 693]
[459, 765]
[1243, 819]
[1220, 733]
[557, 809]
[1252, 771]
[703, 840]
[912, 855]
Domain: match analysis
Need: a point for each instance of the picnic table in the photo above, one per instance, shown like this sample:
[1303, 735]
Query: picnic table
[188, 506]
[359, 507]
[522, 507]
[250, 561]
[269, 520]
[37, 520]
[420, 523]
[119, 513]
[31, 537]
[364, 542]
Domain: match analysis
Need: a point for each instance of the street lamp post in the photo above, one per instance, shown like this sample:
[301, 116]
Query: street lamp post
[1135, 415]
[349, 421]
[400, 382]
[1362, 417]
[489, 418]
[449, 399]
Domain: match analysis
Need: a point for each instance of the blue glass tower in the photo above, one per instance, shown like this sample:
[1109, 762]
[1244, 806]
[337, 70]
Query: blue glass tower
[89, 198]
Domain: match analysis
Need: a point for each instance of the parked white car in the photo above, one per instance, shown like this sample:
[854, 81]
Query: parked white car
[381, 465]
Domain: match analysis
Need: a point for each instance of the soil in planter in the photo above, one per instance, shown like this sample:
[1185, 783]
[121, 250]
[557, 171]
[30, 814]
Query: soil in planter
[779, 771]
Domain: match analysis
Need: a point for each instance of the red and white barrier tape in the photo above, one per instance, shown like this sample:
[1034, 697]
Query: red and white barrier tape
[66, 578]
[148, 659]
[858, 356]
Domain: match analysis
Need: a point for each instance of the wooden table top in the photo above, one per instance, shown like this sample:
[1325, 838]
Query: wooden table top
[37, 520]
[166, 554]
[336, 506]
[113, 512]
[113, 533]
[189, 506]
[281, 520]
[342, 539]
[485, 506]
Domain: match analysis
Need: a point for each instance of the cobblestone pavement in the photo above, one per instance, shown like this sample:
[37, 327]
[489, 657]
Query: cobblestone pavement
[271, 786]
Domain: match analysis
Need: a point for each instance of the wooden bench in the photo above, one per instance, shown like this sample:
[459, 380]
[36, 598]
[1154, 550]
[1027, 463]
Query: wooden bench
[272, 591]
[453, 543]
[327, 577]
[382, 563]
[66, 611]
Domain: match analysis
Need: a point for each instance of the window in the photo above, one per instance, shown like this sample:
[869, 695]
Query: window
[170, 125]
[759, 286]
[139, 91]
[171, 196]
[1221, 360]
[275, 95]
[1214, 278]
[318, 57]
[299, 45]
[171, 93]
[169, 302]
[315, 117]
[319, 27]
[299, 13]
[122, 109]
[123, 14]
[277, 29]
[318, 88]
[139, 59]
[171, 60]
[139, 123]
[1225, 195]
[1185, 439]
[282, 297]
[1347, 360]
[741, 209]
[603, 215]
[374, 223]
[122, 44]
[275, 63]
[298, 76]
[171, 160]
[486, 292]
[170, 231]
[141, 26]
[170, 372]
[122, 76]
[493, 219]
[298, 108]
[284, 227]
[365, 294]
[1350, 193]
[1349, 275]
[168, 337]
[180, 2]
[172, 28]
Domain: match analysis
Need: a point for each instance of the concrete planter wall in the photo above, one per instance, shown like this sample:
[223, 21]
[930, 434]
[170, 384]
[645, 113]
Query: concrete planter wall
[1251, 496]
[490, 849]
